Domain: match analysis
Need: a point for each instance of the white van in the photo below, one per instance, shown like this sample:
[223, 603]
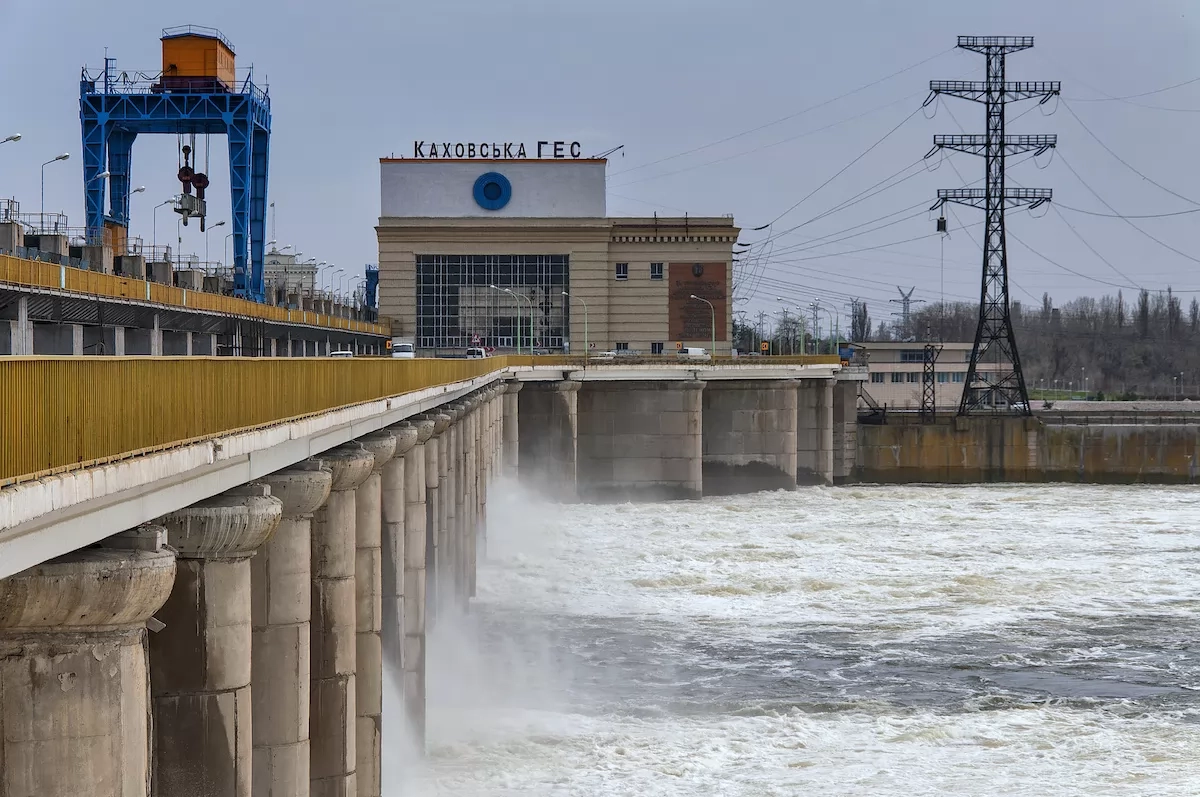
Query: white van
[341, 353]
[404, 351]
[476, 353]
[694, 353]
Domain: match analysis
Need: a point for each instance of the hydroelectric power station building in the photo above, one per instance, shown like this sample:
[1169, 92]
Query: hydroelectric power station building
[467, 246]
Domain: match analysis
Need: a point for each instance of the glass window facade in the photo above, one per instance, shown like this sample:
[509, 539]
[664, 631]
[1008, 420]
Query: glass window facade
[456, 308]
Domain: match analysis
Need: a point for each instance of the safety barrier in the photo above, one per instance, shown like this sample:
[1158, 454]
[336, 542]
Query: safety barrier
[35, 274]
[63, 413]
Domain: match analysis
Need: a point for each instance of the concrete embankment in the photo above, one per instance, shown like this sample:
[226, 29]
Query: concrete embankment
[1098, 445]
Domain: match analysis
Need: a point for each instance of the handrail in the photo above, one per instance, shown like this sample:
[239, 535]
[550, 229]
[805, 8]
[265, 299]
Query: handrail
[66, 413]
[35, 274]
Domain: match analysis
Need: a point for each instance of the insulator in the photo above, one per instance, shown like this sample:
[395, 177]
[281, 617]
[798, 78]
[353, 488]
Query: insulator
[941, 224]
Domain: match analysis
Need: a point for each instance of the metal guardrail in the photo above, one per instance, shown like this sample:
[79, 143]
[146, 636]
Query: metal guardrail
[35, 274]
[66, 413]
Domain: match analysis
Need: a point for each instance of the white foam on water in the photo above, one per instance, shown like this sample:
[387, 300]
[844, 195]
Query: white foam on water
[892, 569]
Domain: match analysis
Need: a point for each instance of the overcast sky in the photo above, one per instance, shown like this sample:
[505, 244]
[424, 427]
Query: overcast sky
[709, 99]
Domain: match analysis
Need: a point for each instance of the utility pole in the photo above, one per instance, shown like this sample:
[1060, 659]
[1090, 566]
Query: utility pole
[762, 329]
[1002, 388]
[928, 380]
[816, 311]
[906, 301]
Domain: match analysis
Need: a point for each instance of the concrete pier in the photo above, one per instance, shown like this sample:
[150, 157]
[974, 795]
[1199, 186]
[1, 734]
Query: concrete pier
[845, 430]
[392, 617]
[435, 511]
[749, 436]
[415, 552]
[510, 446]
[200, 664]
[368, 597]
[334, 658]
[640, 441]
[280, 609]
[814, 432]
[74, 705]
[549, 415]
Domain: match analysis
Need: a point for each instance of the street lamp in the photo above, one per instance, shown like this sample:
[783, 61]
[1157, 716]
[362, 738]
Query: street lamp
[170, 201]
[61, 157]
[585, 323]
[211, 227]
[833, 324]
[518, 301]
[13, 137]
[712, 352]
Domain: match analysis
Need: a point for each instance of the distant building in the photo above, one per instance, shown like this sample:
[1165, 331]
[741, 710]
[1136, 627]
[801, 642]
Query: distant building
[459, 237]
[280, 269]
[896, 368]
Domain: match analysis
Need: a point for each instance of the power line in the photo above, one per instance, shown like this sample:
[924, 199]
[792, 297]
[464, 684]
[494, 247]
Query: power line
[840, 171]
[782, 119]
[1126, 215]
[1124, 162]
[1109, 97]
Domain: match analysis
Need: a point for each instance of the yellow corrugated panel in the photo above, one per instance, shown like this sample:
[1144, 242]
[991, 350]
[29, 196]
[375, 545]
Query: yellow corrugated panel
[68, 412]
[20, 271]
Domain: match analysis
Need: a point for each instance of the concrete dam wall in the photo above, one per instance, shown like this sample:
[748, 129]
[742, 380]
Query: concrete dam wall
[1118, 450]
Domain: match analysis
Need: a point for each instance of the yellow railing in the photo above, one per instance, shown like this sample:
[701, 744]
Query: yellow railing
[36, 274]
[62, 413]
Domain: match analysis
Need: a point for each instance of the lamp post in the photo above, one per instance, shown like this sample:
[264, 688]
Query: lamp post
[712, 352]
[585, 322]
[518, 302]
[211, 227]
[154, 213]
[785, 324]
[833, 325]
[61, 157]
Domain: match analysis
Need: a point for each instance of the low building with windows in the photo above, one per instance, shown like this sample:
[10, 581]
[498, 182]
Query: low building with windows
[896, 369]
[521, 253]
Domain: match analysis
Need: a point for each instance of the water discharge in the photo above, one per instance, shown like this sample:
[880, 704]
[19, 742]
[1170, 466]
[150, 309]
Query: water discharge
[1000, 640]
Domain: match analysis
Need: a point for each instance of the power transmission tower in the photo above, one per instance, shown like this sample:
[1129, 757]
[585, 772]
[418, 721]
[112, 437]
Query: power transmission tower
[928, 387]
[906, 301]
[1004, 388]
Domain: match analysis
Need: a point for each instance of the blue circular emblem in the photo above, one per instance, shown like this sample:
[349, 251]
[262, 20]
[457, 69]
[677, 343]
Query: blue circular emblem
[492, 191]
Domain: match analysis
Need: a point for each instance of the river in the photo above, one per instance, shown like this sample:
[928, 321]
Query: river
[909, 640]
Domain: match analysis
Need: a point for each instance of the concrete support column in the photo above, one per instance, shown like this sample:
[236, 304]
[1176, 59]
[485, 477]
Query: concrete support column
[415, 550]
[814, 432]
[368, 592]
[77, 340]
[394, 509]
[510, 439]
[280, 610]
[450, 575]
[549, 413]
[749, 436]
[200, 664]
[156, 339]
[333, 657]
[74, 705]
[641, 440]
[435, 511]
[845, 429]
[119, 341]
[23, 331]
[470, 526]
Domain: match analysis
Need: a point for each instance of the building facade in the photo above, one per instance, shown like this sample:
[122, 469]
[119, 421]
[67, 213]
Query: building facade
[521, 253]
[896, 369]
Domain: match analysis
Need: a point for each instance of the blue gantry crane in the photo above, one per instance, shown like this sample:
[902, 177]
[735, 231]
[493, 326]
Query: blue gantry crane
[196, 93]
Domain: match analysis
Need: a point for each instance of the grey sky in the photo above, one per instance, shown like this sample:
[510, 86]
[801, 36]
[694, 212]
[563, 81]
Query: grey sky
[355, 80]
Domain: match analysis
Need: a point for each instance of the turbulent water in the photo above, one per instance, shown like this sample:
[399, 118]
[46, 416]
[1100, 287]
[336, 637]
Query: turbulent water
[1000, 640]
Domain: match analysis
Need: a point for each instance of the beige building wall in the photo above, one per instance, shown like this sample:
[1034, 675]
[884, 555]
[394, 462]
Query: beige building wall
[896, 383]
[633, 311]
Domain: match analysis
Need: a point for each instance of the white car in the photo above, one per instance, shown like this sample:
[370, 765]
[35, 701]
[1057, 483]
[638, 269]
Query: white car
[341, 353]
[404, 351]
[476, 353]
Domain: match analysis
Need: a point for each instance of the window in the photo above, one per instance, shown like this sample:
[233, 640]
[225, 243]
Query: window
[656, 348]
[959, 376]
[914, 376]
[912, 355]
[622, 347]
[656, 271]
[622, 271]
[877, 378]
[943, 377]
[897, 377]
